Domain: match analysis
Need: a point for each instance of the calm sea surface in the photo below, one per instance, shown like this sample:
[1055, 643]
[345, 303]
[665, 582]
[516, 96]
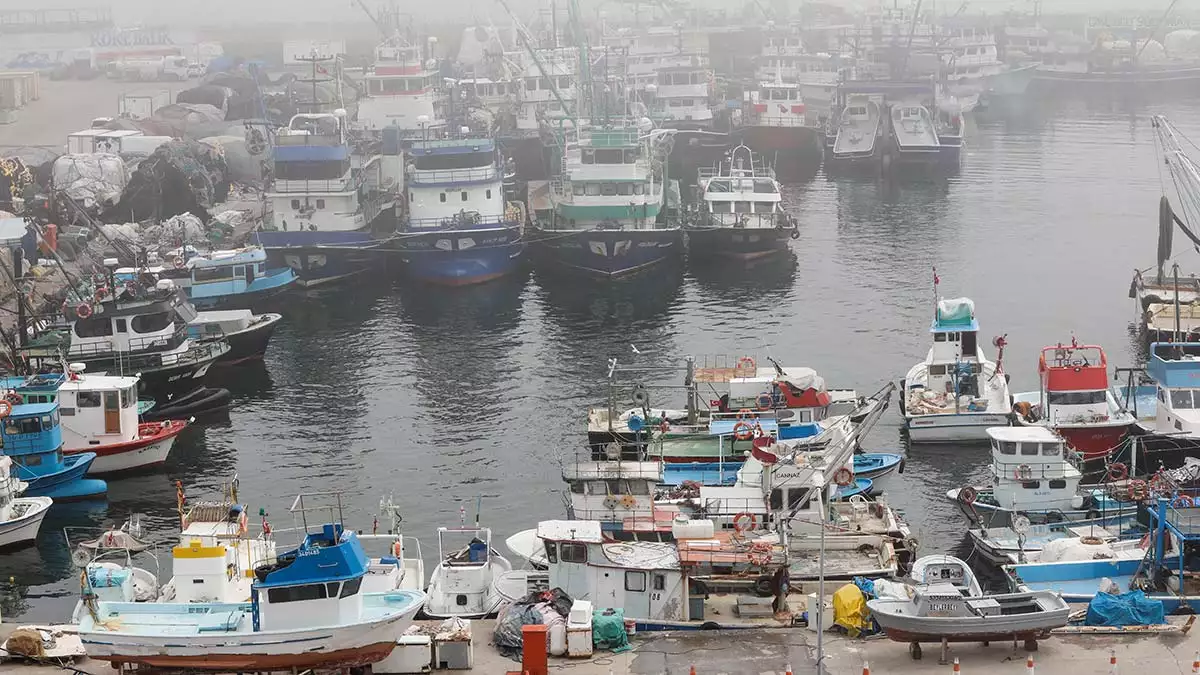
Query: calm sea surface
[449, 398]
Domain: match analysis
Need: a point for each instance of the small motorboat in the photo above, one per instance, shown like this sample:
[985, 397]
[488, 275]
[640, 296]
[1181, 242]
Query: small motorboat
[860, 486]
[463, 584]
[127, 537]
[20, 517]
[1003, 545]
[247, 333]
[879, 467]
[198, 402]
[946, 569]
[939, 613]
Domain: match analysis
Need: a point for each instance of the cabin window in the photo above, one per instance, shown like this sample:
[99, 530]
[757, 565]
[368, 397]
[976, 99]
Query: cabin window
[1007, 447]
[593, 189]
[659, 582]
[351, 587]
[741, 207]
[764, 207]
[88, 399]
[551, 552]
[937, 370]
[296, 593]
[124, 398]
[332, 588]
[629, 156]
[639, 188]
[1097, 397]
[23, 425]
[464, 195]
[1058, 484]
[1181, 398]
[1031, 484]
[1050, 449]
[635, 581]
[608, 189]
[720, 207]
[121, 327]
[577, 189]
[320, 205]
[488, 193]
[625, 189]
[573, 553]
[151, 323]
[609, 156]
[239, 271]
[95, 326]
[28, 460]
[939, 337]
[1161, 396]
[1029, 449]
[205, 274]
[442, 197]
[776, 500]
[295, 204]
[587, 156]
[69, 412]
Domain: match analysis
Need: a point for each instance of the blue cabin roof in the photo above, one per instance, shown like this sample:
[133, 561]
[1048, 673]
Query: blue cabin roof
[334, 554]
[33, 409]
[49, 382]
[452, 146]
[1174, 372]
[953, 325]
[311, 153]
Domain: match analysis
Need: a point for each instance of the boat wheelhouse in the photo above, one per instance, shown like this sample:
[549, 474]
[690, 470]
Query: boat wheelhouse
[20, 517]
[134, 330]
[307, 609]
[1075, 400]
[609, 212]
[460, 229]
[327, 201]
[101, 414]
[956, 393]
[681, 96]
[740, 211]
[400, 91]
[232, 279]
[856, 139]
[774, 121]
[32, 439]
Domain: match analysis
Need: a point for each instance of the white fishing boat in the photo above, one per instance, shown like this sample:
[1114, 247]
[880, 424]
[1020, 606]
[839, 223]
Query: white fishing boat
[956, 393]
[464, 583]
[20, 517]
[946, 569]
[914, 136]
[1002, 545]
[739, 212]
[857, 136]
[307, 610]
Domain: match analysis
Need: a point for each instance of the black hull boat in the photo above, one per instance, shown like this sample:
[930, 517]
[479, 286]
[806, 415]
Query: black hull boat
[199, 402]
[247, 334]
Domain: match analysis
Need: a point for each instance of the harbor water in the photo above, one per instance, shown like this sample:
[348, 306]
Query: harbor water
[453, 400]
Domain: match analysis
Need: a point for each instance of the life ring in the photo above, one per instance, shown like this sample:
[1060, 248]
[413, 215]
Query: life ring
[397, 550]
[743, 431]
[747, 363]
[843, 476]
[968, 495]
[765, 401]
[1118, 471]
[83, 311]
[1183, 502]
[1023, 472]
[1137, 490]
[13, 398]
[6, 409]
[664, 426]
[744, 521]
[629, 501]
[795, 233]
[178, 262]
[746, 414]
[759, 558]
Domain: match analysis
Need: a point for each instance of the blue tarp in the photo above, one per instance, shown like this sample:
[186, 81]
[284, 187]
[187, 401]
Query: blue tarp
[1126, 609]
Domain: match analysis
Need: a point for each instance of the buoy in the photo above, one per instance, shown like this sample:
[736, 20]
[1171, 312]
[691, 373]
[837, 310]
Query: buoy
[1029, 665]
[957, 669]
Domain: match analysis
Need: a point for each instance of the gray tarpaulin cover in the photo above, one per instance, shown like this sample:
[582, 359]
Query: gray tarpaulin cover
[91, 179]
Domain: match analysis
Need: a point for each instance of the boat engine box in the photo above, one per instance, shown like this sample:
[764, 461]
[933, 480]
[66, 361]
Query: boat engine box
[984, 606]
[457, 653]
[413, 654]
[579, 630]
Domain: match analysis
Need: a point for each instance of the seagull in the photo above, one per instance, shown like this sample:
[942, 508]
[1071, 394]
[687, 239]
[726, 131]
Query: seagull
[634, 348]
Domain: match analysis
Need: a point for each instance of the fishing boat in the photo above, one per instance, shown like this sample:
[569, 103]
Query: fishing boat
[740, 211]
[307, 610]
[1167, 433]
[680, 96]
[1075, 400]
[607, 213]
[939, 613]
[855, 141]
[20, 517]
[133, 329]
[956, 393]
[460, 230]
[221, 279]
[102, 419]
[330, 205]
[246, 333]
[33, 440]
[464, 584]
[1004, 545]
[872, 467]
[400, 91]
[946, 569]
[774, 122]
[1034, 474]
[878, 467]
[914, 136]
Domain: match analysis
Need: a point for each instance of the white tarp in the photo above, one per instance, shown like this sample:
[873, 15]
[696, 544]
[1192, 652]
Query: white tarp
[91, 179]
[956, 309]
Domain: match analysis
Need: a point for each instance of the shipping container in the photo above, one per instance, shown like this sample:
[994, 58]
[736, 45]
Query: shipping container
[140, 105]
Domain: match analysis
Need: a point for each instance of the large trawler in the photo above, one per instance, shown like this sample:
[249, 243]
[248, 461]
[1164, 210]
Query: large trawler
[740, 211]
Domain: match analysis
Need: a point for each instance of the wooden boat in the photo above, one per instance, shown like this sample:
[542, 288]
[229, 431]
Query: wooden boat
[20, 517]
[940, 613]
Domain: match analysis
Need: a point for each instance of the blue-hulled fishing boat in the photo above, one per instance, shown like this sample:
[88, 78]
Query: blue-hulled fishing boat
[860, 486]
[460, 230]
[1168, 430]
[233, 279]
[329, 204]
[870, 467]
[32, 435]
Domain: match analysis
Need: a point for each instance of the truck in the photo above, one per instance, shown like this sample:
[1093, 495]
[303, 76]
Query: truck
[174, 68]
[140, 105]
[113, 141]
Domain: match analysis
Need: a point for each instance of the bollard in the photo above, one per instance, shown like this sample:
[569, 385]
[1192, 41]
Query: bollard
[1029, 665]
[957, 669]
[1112, 662]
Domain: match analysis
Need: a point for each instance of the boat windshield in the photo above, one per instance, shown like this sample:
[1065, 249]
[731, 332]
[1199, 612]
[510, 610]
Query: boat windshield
[1079, 397]
[1182, 399]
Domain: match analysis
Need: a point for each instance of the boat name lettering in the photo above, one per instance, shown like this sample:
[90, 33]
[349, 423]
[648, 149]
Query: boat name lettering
[132, 38]
[313, 551]
[941, 607]
[1138, 22]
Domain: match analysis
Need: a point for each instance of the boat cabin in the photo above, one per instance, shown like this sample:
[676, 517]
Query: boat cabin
[1175, 369]
[100, 409]
[317, 583]
[741, 192]
[1074, 381]
[399, 89]
[954, 362]
[1031, 470]
[211, 276]
[215, 557]
[150, 322]
[617, 494]
[774, 105]
[31, 435]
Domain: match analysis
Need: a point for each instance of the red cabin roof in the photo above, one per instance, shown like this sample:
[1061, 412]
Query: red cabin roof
[1073, 367]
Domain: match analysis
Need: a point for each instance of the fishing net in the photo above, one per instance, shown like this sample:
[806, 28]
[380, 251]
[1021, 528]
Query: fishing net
[178, 177]
[92, 180]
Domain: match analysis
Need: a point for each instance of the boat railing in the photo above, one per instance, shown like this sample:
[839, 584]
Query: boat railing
[304, 185]
[322, 507]
[472, 220]
[475, 174]
[1030, 471]
[792, 121]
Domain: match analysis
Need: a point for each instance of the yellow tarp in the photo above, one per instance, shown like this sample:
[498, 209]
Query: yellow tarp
[850, 609]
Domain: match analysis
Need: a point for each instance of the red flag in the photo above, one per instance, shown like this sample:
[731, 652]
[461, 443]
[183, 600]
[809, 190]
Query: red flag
[322, 70]
[936, 278]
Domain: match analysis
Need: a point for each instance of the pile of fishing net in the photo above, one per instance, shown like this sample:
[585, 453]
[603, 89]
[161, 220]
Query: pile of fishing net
[178, 177]
[92, 180]
[549, 608]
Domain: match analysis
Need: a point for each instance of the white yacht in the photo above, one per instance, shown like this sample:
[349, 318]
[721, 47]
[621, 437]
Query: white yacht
[464, 584]
[856, 139]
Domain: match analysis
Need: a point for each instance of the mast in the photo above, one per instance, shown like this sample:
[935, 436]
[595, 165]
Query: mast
[314, 60]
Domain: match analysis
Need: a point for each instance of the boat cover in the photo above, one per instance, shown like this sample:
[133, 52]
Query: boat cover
[608, 630]
[956, 309]
[850, 609]
[1125, 609]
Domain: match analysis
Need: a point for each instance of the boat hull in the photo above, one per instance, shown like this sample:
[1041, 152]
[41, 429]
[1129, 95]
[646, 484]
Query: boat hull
[68, 484]
[150, 449]
[269, 288]
[341, 658]
[251, 343]
[1056, 79]
[607, 254]
[23, 530]
[736, 242]
[953, 428]
[461, 257]
[158, 379]
[320, 258]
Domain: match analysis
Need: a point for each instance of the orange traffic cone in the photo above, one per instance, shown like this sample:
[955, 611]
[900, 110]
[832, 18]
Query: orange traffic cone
[692, 671]
[957, 668]
[787, 669]
[1196, 664]
[1029, 665]
[866, 668]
